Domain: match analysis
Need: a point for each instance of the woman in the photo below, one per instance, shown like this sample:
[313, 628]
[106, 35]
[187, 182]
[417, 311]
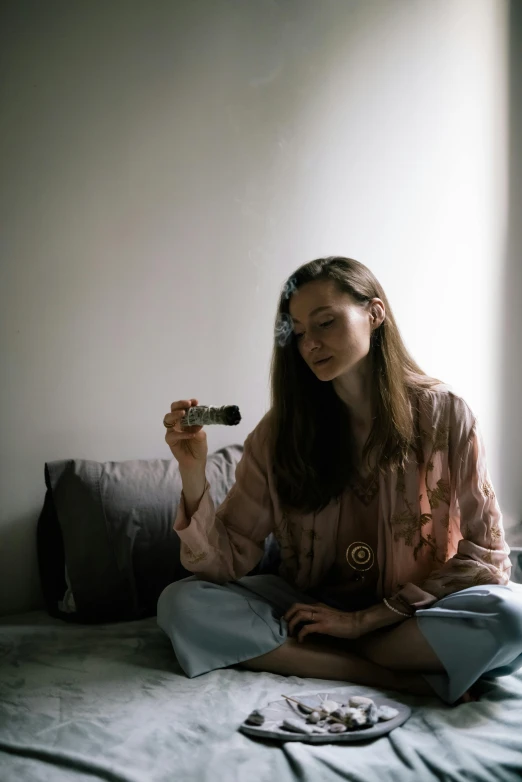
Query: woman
[372, 476]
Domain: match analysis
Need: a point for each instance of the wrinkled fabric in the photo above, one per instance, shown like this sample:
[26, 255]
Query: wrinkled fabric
[111, 703]
[439, 524]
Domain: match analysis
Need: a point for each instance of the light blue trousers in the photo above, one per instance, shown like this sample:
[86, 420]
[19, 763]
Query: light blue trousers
[475, 633]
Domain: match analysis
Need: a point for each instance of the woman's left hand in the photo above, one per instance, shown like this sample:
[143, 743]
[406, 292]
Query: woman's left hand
[324, 619]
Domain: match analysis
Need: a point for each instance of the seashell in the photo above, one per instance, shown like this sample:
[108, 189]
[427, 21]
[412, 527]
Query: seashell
[386, 713]
[296, 726]
[329, 706]
[337, 727]
[314, 717]
[255, 718]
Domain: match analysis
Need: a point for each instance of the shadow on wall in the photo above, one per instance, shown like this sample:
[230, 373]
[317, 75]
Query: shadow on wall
[510, 418]
[16, 532]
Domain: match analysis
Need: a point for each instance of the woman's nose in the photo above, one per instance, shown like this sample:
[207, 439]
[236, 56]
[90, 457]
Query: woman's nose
[310, 344]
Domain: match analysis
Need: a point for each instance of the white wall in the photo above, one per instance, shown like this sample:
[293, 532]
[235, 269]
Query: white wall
[509, 484]
[165, 165]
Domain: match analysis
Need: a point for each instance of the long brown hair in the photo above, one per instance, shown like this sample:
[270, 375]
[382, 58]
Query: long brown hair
[312, 445]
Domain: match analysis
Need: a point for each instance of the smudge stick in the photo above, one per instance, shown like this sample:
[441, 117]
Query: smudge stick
[200, 415]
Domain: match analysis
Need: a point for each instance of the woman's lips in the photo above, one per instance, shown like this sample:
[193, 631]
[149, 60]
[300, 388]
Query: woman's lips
[321, 362]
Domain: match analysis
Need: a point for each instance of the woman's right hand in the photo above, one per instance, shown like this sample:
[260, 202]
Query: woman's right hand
[187, 443]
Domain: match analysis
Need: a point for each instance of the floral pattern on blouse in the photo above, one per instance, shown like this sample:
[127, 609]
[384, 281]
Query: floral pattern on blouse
[439, 524]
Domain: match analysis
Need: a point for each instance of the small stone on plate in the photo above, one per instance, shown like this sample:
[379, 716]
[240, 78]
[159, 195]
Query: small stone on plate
[304, 708]
[296, 726]
[314, 717]
[337, 727]
[385, 713]
[255, 718]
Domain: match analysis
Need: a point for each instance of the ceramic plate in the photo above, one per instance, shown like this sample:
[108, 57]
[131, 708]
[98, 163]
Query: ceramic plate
[277, 711]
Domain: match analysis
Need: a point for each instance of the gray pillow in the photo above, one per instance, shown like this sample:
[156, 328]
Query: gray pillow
[108, 525]
[516, 561]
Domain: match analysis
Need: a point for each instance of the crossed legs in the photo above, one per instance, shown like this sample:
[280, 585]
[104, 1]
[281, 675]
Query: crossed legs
[400, 648]
[389, 659]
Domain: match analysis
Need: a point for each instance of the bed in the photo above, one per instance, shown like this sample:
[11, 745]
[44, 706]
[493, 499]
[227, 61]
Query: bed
[109, 702]
[90, 688]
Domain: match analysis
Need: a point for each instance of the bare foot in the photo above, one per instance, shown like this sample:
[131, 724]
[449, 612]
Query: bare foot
[468, 697]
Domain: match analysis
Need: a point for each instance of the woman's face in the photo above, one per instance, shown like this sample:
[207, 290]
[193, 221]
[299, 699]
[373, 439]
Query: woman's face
[332, 329]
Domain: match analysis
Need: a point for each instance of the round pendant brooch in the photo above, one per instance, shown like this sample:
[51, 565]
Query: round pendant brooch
[360, 556]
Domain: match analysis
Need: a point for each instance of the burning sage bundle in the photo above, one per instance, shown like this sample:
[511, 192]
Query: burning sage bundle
[199, 415]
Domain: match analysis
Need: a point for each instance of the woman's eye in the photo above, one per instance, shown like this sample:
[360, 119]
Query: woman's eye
[321, 325]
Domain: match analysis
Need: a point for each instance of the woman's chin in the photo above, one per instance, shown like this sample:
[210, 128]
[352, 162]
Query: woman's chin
[325, 371]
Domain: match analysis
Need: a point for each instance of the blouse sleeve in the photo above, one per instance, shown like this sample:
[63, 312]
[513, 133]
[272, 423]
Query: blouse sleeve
[225, 544]
[482, 554]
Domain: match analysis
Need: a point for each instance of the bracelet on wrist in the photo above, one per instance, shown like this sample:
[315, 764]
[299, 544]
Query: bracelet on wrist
[395, 610]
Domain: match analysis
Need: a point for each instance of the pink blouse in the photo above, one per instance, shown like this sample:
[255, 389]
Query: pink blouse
[351, 582]
[438, 524]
